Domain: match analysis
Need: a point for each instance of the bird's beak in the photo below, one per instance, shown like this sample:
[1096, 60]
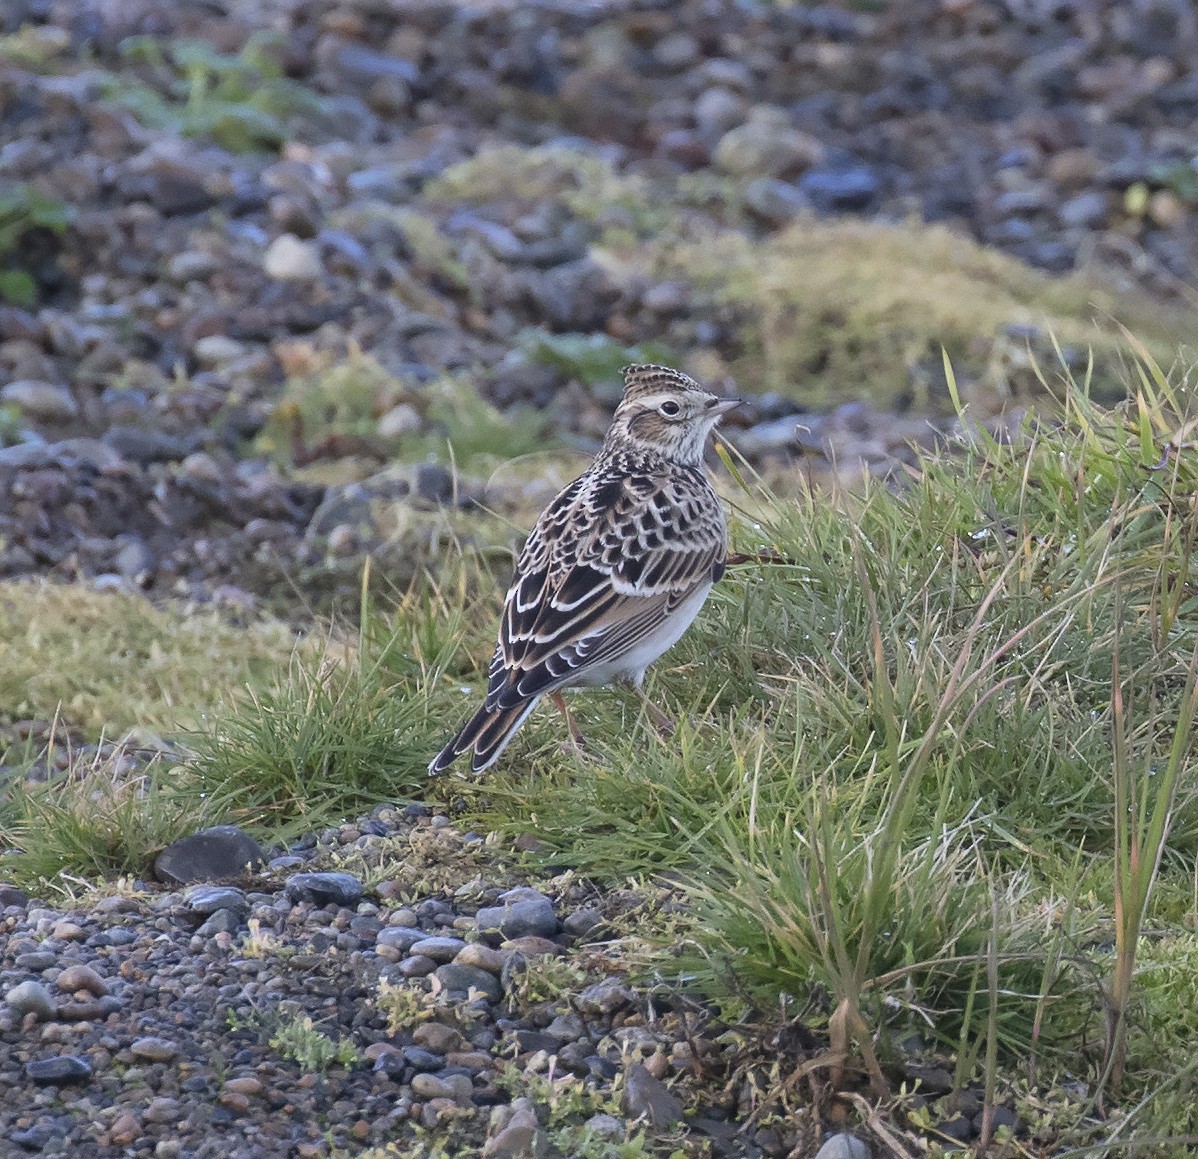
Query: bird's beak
[725, 405]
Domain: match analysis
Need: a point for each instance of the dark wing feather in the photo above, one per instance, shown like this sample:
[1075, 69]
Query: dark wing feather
[613, 555]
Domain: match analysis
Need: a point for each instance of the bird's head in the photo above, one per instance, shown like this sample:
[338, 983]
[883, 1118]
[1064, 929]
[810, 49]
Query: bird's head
[667, 412]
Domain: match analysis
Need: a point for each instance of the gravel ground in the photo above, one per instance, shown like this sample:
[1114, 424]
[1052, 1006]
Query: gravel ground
[194, 279]
[310, 1011]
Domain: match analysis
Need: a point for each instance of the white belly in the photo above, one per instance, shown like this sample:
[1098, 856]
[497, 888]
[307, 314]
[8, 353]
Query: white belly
[631, 666]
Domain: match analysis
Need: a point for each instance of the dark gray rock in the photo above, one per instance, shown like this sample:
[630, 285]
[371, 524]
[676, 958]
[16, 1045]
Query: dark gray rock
[207, 899]
[216, 854]
[843, 189]
[324, 888]
[63, 1068]
[144, 445]
[224, 921]
[581, 922]
[439, 949]
[604, 997]
[524, 912]
[649, 1098]
[401, 938]
[455, 976]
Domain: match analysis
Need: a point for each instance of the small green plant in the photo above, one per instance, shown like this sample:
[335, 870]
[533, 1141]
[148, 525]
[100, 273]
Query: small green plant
[241, 100]
[23, 209]
[593, 358]
[545, 979]
[405, 1006]
[299, 1039]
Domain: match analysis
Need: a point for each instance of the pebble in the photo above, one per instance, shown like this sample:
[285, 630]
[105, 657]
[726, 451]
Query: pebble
[844, 1146]
[32, 998]
[153, 1048]
[44, 401]
[324, 888]
[845, 189]
[439, 949]
[81, 977]
[57, 1071]
[213, 854]
[520, 1134]
[466, 978]
[289, 258]
[767, 147]
[648, 1098]
[524, 913]
[482, 956]
[604, 997]
[207, 899]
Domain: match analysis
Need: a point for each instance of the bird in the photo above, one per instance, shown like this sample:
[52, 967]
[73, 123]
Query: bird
[615, 569]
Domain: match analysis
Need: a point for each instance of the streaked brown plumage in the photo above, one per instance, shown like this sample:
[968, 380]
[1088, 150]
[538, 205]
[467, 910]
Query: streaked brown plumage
[617, 566]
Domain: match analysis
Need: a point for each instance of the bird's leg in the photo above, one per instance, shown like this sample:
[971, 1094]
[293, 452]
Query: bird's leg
[580, 744]
[664, 725]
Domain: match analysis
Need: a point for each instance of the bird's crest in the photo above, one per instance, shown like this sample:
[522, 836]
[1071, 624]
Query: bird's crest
[644, 379]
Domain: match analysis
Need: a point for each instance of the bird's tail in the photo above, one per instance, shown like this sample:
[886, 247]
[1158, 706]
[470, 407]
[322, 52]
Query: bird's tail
[485, 734]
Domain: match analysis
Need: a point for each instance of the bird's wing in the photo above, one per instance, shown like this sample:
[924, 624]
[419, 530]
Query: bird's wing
[609, 559]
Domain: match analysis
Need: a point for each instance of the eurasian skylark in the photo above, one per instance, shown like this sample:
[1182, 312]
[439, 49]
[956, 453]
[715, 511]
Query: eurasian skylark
[616, 568]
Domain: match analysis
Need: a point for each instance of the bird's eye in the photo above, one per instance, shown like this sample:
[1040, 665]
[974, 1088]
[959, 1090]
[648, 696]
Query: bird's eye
[669, 408]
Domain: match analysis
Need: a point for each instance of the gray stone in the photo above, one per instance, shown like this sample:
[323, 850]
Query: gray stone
[676, 50]
[427, 1086]
[454, 976]
[192, 264]
[400, 420]
[82, 977]
[63, 1068]
[90, 452]
[41, 400]
[207, 899]
[1085, 211]
[224, 921]
[520, 1136]
[424, 1060]
[485, 958]
[153, 1048]
[400, 938]
[649, 1098]
[766, 146]
[717, 110]
[581, 922]
[851, 187]
[604, 1127]
[289, 259]
[135, 561]
[604, 997]
[773, 200]
[524, 912]
[324, 888]
[32, 998]
[439, 949]
[216, 350]
[36, 960]
[144, 445]
[844, 1146]
[214, 854]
